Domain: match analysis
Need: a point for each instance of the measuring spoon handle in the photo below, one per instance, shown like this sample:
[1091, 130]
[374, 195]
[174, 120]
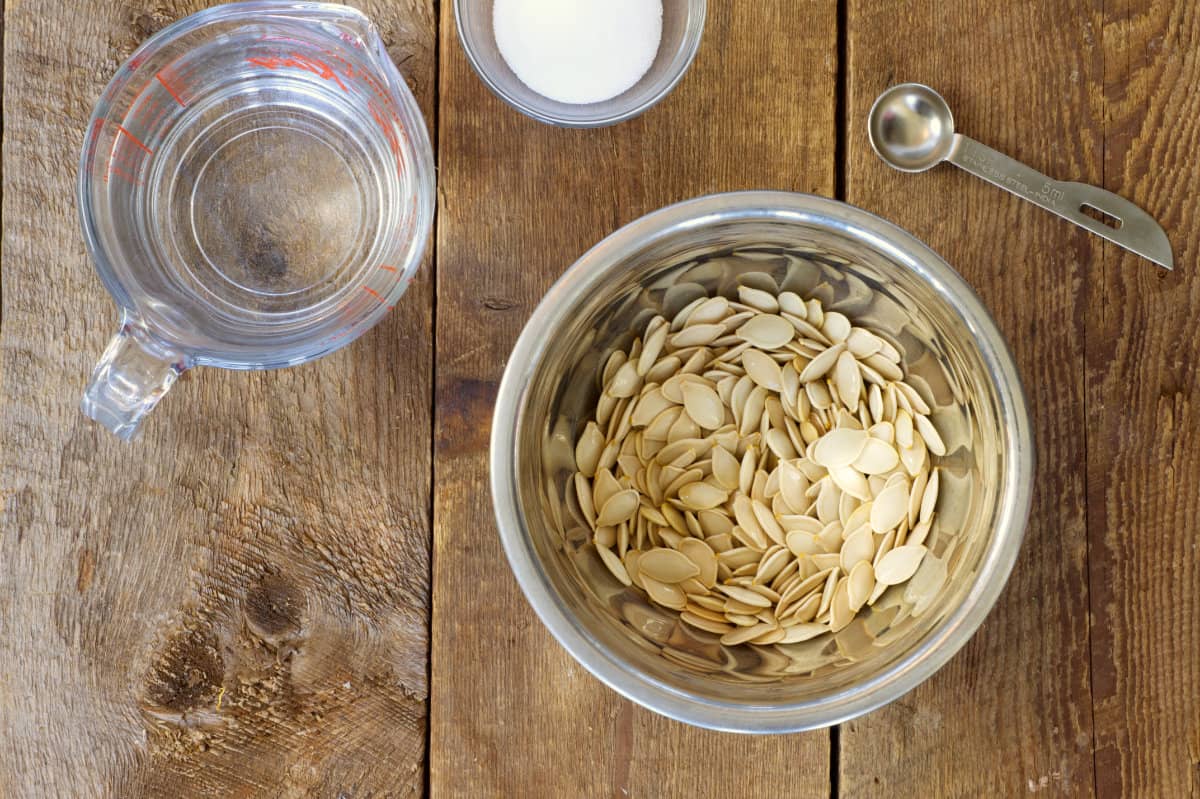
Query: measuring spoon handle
[1134, 229]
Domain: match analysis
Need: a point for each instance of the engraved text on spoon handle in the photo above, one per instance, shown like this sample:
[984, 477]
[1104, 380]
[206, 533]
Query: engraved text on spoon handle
[1011, 175]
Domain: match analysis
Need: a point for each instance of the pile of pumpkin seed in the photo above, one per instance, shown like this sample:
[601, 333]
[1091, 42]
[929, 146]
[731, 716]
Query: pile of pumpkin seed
[760, 466]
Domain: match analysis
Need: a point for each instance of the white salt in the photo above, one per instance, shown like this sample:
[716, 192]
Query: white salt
[578, 51]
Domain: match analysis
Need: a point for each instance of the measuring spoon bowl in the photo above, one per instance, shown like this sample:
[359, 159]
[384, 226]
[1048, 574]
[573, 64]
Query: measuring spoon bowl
[911, 127]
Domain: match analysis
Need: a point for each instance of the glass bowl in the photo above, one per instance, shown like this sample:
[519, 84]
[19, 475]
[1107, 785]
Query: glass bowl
[683, 25]
[877, 275]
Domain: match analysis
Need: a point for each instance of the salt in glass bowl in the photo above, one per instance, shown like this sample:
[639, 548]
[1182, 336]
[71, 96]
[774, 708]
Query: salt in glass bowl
[683, 25]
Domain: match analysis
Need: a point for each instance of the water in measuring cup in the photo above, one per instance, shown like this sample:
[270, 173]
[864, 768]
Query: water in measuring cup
[252, 200]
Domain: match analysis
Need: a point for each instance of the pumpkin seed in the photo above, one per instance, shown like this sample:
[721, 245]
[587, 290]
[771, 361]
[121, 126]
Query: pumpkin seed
[744, 595]
[791, 302]
[877, 457]
[757, 299]
[799, 633]
[702, 495]
[620, 507]
[819, 366]
[588, 448]
[929, 433]
[667, 565]
[884, 431]
[875, 402]
[703, 557]
[929, 497]
[583, 494]
[839, 447]
[840, 613]
[743, 634]
[913, 458]
[863, 343]
[904, 428]
[885, 546]
[918, 534]
[695, 336]
[848, 379]
[605, 537]
[826, 560]
[665, 368]
[710, 602]
[706, 624]
[819, 396]
[890, 507]
[899, 565]
[836, 326]
[851, 480]
[858, 548]
[614, 565]
[859, 585]
[827, 593]
[767, 521]
[766, 331]
[665, 594]
[886, 369]
[763, 370]
[709, 311]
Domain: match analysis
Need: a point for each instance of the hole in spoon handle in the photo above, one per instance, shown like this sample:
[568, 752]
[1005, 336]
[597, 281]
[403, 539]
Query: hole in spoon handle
[1102, 216]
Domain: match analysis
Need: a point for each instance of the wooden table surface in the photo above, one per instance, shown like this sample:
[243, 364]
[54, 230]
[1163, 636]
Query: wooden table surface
[291, 585]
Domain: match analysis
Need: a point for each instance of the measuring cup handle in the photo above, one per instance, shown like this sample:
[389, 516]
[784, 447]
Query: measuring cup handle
[132, 376]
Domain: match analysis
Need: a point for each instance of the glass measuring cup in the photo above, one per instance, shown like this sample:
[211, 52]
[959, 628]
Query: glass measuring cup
[256, 190]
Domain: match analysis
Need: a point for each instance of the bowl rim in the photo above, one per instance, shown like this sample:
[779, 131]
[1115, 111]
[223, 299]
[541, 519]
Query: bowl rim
[940, 643]
[691, 47]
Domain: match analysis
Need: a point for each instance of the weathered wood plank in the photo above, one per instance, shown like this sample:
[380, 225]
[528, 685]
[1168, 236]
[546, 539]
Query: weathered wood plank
[1143, 351]
[1011, 713]
[511, 712]
[236, 604]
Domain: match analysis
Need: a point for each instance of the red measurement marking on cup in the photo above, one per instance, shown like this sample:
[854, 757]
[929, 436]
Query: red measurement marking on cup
[351, 39]
[134, 139]
[302, 62]
[290, 39]
[116, 170]
[346, 67]
[388, 268]
[170, 91]
[389, 131]
[376, 295]
[160, 111]
[143, 110]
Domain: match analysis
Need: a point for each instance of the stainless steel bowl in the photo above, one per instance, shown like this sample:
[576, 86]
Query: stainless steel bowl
[879, 276]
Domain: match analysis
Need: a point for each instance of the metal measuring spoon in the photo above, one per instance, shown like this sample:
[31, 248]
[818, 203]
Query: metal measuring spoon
[912, 129]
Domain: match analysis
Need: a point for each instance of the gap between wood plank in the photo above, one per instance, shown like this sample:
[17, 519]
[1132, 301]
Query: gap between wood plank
[840, 140]
[1087, 520]
[840, 112]
[435, 139]
[3, 14]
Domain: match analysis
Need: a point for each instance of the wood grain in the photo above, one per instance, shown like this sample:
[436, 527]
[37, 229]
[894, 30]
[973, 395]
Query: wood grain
[1011, 713]
[236, 604]
[1143, 352]
[512, 714]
